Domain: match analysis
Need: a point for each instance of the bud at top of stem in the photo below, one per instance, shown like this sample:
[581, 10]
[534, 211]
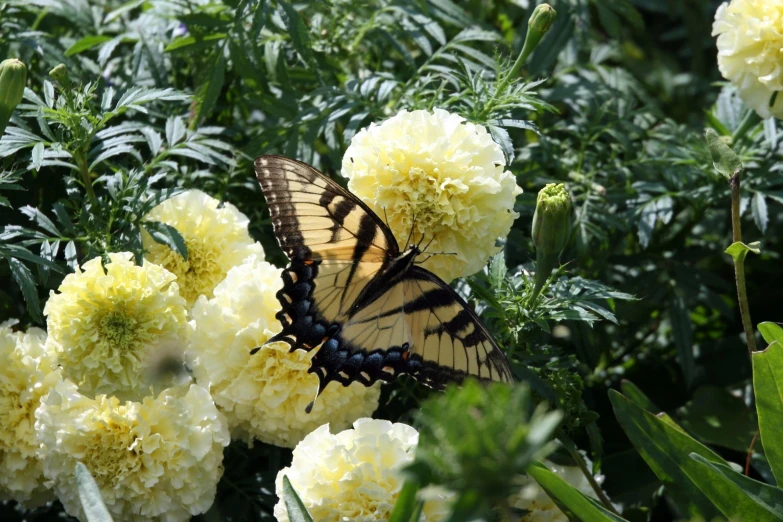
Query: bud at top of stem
[552, 219]
[13, 77]
[60, 75]
[542, 18]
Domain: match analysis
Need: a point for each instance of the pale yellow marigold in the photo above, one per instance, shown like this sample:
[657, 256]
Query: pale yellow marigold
[159, 459]
[109, 328]
[264, 395]
[27, 373]
[355, 474]
[750, 51]
[532, 497]
[216, 237]
[445, 173]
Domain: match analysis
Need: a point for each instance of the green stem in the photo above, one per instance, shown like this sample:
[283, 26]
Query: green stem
[748, 122]
[739, 265]
[85, 171]
[544, 265]
[571, 448]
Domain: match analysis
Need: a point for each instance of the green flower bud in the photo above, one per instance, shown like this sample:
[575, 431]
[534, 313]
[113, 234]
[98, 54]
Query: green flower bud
[551, 228]
[60, 75]
[552, 219]
[539, 24]
[13, 76]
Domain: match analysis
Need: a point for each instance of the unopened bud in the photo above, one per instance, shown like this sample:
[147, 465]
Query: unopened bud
[539, 24]
[60, 75]
[552, 219]
[13, 77]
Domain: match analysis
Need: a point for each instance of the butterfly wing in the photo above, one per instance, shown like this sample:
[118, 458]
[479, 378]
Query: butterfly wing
[336, 246]
[419, 326]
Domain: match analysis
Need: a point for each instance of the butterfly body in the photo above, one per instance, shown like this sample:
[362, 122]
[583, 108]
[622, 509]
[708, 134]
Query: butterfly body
[351, 293]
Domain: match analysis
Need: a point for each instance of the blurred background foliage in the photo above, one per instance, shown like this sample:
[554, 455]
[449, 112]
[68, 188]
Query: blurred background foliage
[170, 94]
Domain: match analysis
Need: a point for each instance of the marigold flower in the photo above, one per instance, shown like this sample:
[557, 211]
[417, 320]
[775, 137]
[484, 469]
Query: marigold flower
[540, 507]
[159, 459]
[355, 474]
[750, 39]
[440, 177]
[107, 328]
[263, 395]
[215, 235]
[26, 374]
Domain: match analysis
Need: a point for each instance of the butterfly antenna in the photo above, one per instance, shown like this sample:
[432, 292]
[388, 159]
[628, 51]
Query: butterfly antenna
[410, 234]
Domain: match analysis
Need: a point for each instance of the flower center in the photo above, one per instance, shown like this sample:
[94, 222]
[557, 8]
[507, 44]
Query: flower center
[119, 330]
[200, 273]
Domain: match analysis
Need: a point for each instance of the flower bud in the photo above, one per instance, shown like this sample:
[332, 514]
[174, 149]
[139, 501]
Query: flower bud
[551, 228]
[539, 24]
[60, 75]
[13, 76]
[552, 219]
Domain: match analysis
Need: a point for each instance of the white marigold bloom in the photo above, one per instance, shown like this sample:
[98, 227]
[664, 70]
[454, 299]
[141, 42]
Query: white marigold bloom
[532, 497]
[27, 373]
[109, 328]
[355, 474]
[215, 234]
[159, 459]
[263, 395]
[443, 172]
[750, 44]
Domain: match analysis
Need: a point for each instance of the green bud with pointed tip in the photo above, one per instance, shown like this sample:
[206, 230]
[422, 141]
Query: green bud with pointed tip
[13, 77]
[60, 75]
[551, 230]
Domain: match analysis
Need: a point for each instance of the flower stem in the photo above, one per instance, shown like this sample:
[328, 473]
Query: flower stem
[580, 461]
[739, 264]
[82, 163]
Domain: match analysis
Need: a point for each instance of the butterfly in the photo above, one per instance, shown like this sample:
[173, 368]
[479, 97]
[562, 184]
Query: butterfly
[350, 292]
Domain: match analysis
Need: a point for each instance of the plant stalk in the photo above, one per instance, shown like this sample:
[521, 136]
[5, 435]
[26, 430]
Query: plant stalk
[571, 448]
[739, 265]
[85, 171]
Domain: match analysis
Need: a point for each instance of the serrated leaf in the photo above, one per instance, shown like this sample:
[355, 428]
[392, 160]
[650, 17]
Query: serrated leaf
[90, 496]
[210, 90]
[758, 208]
[297, 30]
[24, 278]
[36, 157]
[297, 512]
[167, 235]
[725, 161]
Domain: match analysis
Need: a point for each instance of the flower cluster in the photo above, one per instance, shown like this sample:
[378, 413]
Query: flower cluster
[263, 395]
[107, 324]
[440, 181]
[26, 374]
[750, 50]
[159, 458]
[215, 235]
[355, 474]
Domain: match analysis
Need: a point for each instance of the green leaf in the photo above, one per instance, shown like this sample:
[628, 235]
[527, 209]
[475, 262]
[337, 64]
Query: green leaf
[88, 42]
[210, 90]
[771, 332]
[406, 504]
[24, 278]
[737, 496]
[725, 161]
[167, 235]
[297, 30]
[90, 496]
[666, 450]
[297, 512]
[768, 386]
[580, 505]
[683, 337]
[715, 416]
[189, 41]
[632, 392]
[739, 250]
